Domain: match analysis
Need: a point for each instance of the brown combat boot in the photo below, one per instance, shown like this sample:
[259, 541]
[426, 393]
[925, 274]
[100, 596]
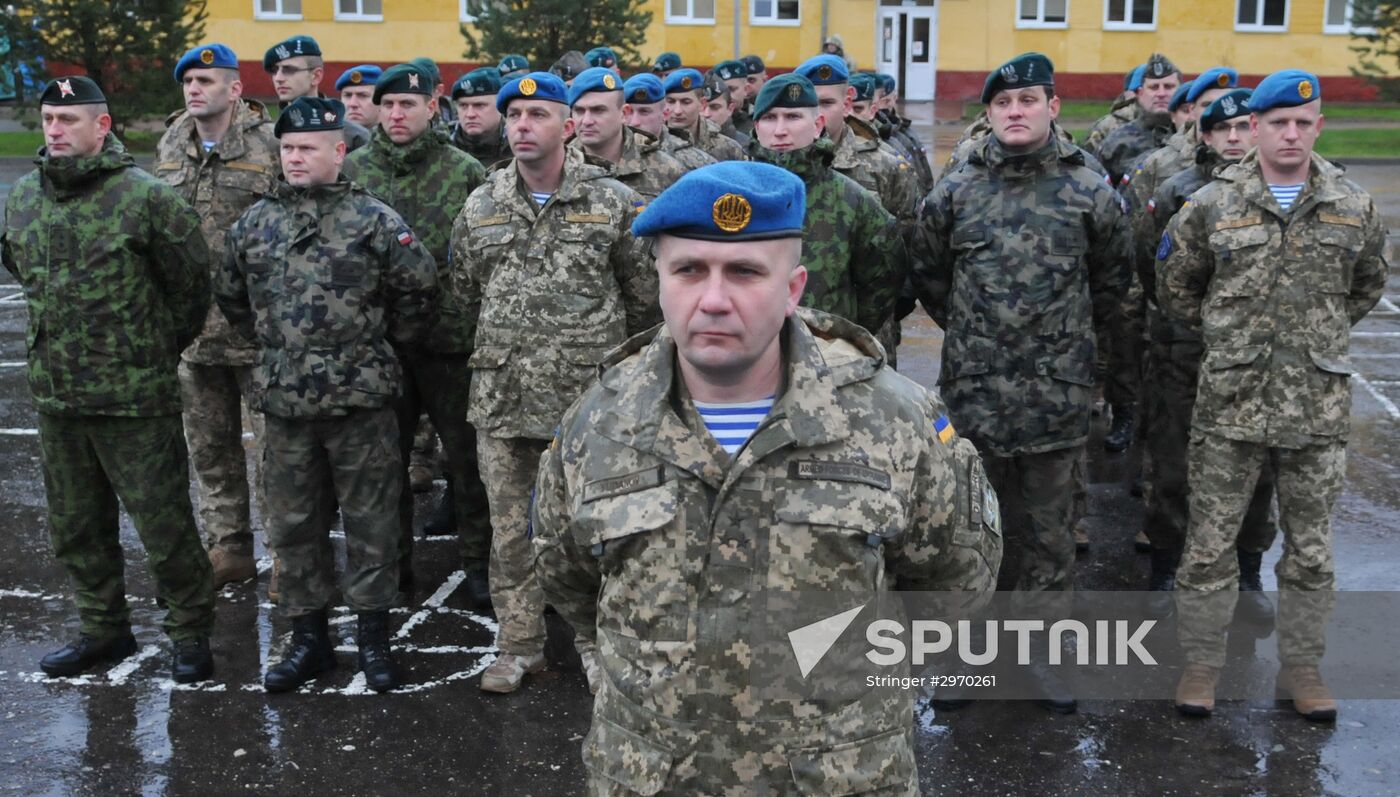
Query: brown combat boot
[1303, 685]
[230, 567]
[272, 583]
[1195, 692]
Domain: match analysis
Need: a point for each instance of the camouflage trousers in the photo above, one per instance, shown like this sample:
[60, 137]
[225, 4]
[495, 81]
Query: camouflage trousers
[1039, 531]
[1175, 369]
[1126, 349]
[1223, 474]
[213, 397]
[509, 466]
[310, 467]
[90, 464]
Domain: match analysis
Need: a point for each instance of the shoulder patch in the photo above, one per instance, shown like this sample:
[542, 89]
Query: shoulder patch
[944, 428]
[1164, 249]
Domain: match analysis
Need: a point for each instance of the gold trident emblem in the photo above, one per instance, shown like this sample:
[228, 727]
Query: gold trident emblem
[1305, 89]
[732, 213]
[206, 57]
[527, 87]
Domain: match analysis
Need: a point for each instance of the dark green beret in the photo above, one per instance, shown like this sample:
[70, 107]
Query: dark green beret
[291, 48]
[512, 64]
[429, 67]
[601, 56]
[666, 62]
[1026, 69]
[482, 82]
[75, 90]
[865, 84]
[731, 70]
[310, 115]
[789, 90]
[754, 64]
[1158, 67]
[403, 79]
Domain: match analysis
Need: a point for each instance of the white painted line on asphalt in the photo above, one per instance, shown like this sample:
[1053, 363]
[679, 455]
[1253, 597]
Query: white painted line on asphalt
[118, 674]
[1378, 355]
[433, 602]
[9, 287]
[19, 432]
[1386, 404]
[13, 364]
[27, 593]
[1375, 334]
[1389, 305]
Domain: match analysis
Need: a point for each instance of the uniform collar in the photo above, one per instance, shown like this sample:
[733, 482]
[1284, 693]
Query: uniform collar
[1322, 186]
[809, 163]
[69, 174]
[509, 189]
[247, 115]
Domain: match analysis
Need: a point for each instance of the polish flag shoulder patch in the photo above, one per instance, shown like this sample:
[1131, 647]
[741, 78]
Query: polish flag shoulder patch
[405, 237]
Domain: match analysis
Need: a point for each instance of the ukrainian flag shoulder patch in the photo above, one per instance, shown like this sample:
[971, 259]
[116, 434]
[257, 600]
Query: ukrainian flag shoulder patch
[944, 428]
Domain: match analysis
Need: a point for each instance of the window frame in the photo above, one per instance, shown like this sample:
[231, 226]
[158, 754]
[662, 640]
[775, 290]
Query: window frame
[1039, 22]
[1346, 28]
[273, 16]
[1109, 24]
[690, 18]
[1259, 27]
[773, 21]
[463, 11]
[340, 16]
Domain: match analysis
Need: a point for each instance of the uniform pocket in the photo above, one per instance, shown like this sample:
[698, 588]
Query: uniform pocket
[884, 761]
[831, 535]
[625, 758]
[1229, 381]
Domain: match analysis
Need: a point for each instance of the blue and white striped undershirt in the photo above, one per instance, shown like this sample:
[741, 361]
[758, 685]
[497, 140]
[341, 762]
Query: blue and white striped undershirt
[1286, 194]
[541, 197]
[733, 424]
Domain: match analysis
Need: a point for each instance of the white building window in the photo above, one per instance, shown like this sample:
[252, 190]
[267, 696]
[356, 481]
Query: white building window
[276, 9]
[690, 12]
[775, 12]
[1266, 16]
[466, 9]
[1338, 18]
[1042, 13]
[1130, 14]
[359, 10]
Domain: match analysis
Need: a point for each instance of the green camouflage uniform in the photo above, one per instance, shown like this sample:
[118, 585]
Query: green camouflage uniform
[115, 275]
[1124, 110]
[326, 280]
[644, 166]
[851, 246]
[550, 290]
[1019, 258]
[1275, 295]
[976, 135]
[690, 156]
[427, 181]
[653, 540]
[490, 149]
[216, 371]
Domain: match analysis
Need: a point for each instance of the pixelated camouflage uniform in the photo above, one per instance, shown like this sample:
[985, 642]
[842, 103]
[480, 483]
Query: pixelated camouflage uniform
[550, 290]
[1124, 110]
[851, 247]
[1275, 294]
[644, 166]
[490, 148]
[216, 371]
[115, 275]
[653, 540]
[689, 155]
[1019, 258]
[712, 142]
[326, 280]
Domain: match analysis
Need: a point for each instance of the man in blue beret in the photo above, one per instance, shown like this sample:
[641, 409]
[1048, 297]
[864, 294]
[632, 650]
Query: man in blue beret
[639, 162]
[741, 383]
[356, 87]
[1276, 316]
[719, 109]
[685, 101]
[220, 155]
[665, 64]
[512, 67]
[297, 70]
[479, 130]
[644, 98]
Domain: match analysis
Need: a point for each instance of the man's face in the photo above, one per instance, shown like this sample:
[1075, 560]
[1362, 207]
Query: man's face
[1231, 138]
[1182, 115]
[739, 89]
[649, 117]
[598, 117]
[209, 93]
[478, 115]
[888, 100]
[1203, 102]
[833, 103]
[1156, 93]
[725, 302]
[312, 158]
[1286, 135]
[719, 110]
[682, 109]
[752, 84]
[863, 109]
[1021, 117]
[295, 77]
[359, 105]
[74, 131]
[405, 117]
[788, 129]
[536, 129]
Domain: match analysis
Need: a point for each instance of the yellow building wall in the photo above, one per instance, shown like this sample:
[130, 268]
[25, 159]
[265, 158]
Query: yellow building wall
[410, 28]
[781, 47]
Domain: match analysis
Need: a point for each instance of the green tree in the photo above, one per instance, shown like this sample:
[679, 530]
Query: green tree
[543, 30]
[1379, 57]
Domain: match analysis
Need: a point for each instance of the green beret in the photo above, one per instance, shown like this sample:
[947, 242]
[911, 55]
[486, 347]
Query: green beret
[865, 84]
[789, 90]
[731, 70]
[481, 82]
[291, 48]
[76, 90]
[1026, 69]
[310, 115]
[429, 67]
[1158, 67]
[512, 64]
[403, 79]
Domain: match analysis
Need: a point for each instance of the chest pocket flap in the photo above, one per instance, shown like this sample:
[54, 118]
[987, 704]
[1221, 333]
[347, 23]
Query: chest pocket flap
[616, 507]
[860, 509]
[1230, 238]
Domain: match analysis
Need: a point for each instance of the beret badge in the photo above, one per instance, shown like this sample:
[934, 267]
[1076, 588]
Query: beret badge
[1305, 89]
[732, 213]
[206, 56]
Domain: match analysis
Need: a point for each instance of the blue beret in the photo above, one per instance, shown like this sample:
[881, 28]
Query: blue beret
[291, 48]
[601, 56]
[534, 86]
[1023, 71]
[595, 78]
[310, 115]
[1134, 81]
[206, 56]
[825, 70]
[1286, 89]
[864, 85]
[1230, 105]
[513, 63]
[477, 83]
[683, 80]
[643, 89]
[362, 75]
[1178, 97]
[728, 201]
[409, 78]
[666, 62]
[1221, 77]
[731, 70]
[785, 91]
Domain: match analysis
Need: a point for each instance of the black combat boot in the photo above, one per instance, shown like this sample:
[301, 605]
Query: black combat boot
[1054, 695]
[88, 652]
[441, 521]
[192, 661]
[478, 588]
[1254, 606]
[375, 658]
[1120, 435]
[310, 655]
[1162, 582]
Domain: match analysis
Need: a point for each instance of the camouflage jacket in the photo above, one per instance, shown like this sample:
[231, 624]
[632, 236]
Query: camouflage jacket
[653, 540]
[968, 140]
[1275, 294]
[549, 289]
[742, 119]
[714, 143]
[855, 258]
[220, 184]
[1124, 110]
[689, 155]
[324, 279]
[736, 135]
[644, 167]
[1018, 258]
[426, 181]
[1151, 169]
[115, 273]
[966, 146]
[1122, 147]
[895, 131]
[877, 168]
[490, 149]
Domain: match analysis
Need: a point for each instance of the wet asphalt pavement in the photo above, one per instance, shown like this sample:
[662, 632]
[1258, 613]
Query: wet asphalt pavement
[128, 729]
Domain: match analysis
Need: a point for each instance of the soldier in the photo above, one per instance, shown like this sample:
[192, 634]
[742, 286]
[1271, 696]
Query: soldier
[479, 131]
[545, 264]
[1124, 110]
[512, 67]
[327, 279]
[852, 250]
[1305, 253]
[595, 101]
[356, 87]
[665, 64]
[1177, 154]
[297, 68]
[601, 56]
[684, 120]
[115, 276]
[446, 113]
[414, 169]
[220, 156]
[1018, 255]
[1153, 124]
[863, 106]
[895, 130]
[835, 46]
[644, 111]
[743, 87]
[719, 110]
[569, 66]
[636, 562]
[758, 73]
